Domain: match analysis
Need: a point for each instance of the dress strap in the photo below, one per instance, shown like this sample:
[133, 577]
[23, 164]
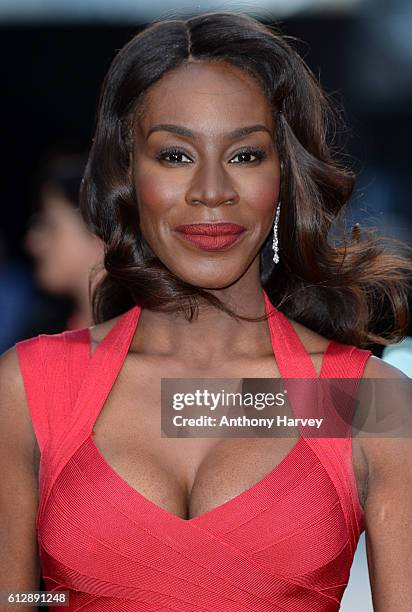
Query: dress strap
[291, 356]
[91, 392]
[77, 352]
[340, 361]
[344, 360]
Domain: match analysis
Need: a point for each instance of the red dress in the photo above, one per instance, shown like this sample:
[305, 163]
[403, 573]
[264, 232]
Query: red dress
[285, 544]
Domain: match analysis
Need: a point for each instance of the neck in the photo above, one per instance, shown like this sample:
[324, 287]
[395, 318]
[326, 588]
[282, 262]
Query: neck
[214, 336]
[82, 305]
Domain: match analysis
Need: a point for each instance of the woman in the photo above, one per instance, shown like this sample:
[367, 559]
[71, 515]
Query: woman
[211, 183]
[64, 250]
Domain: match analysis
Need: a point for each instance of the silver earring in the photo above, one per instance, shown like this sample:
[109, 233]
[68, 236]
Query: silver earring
[275, 244]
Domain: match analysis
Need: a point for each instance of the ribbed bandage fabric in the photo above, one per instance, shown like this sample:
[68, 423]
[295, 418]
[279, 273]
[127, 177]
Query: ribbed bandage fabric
[285, 544]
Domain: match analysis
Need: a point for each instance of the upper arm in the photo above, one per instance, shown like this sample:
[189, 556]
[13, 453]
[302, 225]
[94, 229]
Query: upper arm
[19, 563]
[388, 508]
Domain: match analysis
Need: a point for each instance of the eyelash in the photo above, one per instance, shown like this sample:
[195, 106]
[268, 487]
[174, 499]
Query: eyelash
[258, 153]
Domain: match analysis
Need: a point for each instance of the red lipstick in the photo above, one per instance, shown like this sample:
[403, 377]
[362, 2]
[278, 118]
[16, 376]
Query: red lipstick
[211, 236]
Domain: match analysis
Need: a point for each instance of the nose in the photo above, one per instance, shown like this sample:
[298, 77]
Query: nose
[211, 186]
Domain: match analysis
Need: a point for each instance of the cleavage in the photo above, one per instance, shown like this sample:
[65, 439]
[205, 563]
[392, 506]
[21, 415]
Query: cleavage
[176, 480]
[186, 477]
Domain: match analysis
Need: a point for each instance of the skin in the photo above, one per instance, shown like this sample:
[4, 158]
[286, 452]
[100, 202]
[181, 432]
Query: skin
[208, 188]
[64, 251]
[212, 184]
[184, 476]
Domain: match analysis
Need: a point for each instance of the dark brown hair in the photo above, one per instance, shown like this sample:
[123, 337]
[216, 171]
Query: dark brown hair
[341, 289]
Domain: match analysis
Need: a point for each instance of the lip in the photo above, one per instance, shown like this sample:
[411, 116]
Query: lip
[211, 236]
[211, 229]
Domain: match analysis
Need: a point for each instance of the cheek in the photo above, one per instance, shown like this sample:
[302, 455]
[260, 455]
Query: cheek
[155, 198]
[264, 200]
[158, 195]
[262, 196]
[35, 242]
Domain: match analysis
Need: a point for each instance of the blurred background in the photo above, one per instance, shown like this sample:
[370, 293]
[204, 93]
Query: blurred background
[55, 54]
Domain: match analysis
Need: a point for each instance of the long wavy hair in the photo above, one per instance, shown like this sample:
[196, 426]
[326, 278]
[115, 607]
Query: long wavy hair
[341, 287]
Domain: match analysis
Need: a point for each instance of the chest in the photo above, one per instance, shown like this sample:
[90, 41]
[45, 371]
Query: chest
[187, 477]
[134, 508]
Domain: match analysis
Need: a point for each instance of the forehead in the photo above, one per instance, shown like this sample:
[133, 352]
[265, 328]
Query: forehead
[210, 97]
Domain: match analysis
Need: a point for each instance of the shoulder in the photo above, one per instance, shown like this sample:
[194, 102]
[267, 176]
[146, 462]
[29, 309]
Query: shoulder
[313, 342]
[15, 419]
[11, 380]
[10, 375]
[100, 330]
[388, 449]
[316, 344]
[377, 368]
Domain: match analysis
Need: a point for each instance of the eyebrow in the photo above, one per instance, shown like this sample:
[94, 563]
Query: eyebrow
[182, 131]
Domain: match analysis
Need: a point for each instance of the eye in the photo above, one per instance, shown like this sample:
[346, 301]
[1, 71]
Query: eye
[174, 155]
[258, 154]
[172, 152]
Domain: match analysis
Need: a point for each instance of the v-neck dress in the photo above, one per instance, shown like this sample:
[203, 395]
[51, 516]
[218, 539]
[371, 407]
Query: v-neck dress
[284, 544]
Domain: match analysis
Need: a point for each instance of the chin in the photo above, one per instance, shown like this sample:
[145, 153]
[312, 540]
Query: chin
[212, 273]
[50, 283]
[208, 280]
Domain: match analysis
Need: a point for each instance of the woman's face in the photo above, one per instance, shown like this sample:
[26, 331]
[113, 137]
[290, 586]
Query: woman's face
[63, 248]
[189, 169]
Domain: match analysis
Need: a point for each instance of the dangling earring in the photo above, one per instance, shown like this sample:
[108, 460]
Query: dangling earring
[275, 245]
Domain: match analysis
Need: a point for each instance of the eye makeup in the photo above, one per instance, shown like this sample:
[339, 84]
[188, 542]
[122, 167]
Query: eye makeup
[258, 153]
